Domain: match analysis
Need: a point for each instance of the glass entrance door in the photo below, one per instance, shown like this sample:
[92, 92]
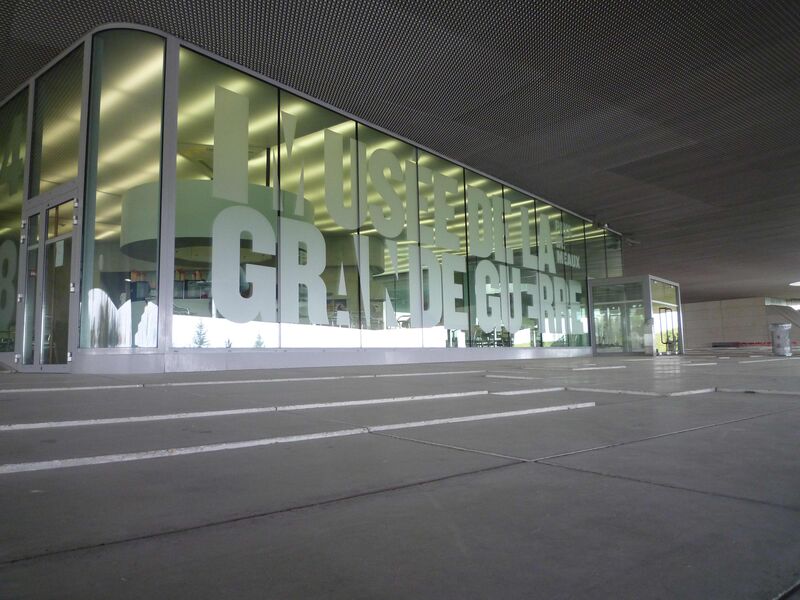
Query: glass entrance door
[666, 324]
[48, 287]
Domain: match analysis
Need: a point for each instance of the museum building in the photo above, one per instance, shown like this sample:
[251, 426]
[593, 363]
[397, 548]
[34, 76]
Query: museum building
[162, 209]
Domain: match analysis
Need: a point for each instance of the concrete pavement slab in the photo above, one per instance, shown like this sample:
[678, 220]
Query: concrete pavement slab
[539, 436]
[526, 531]
[48, 511]
[756, 459]
[96, 440]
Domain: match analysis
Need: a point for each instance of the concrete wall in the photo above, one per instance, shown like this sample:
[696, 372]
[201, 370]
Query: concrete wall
[740, 320]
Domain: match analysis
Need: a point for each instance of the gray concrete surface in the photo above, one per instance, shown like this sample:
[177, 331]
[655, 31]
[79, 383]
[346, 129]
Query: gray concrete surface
[636, 494]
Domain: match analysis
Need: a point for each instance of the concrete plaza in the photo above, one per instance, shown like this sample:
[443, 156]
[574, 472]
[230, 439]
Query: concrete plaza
[624, 477]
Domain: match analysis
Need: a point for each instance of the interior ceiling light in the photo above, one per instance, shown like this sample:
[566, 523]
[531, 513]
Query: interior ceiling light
[795, 284]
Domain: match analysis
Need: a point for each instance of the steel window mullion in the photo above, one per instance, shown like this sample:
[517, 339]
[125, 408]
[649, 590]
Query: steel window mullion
[169, 153]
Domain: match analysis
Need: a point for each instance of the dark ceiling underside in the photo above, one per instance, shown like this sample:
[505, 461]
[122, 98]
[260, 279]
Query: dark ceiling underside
[678, 123]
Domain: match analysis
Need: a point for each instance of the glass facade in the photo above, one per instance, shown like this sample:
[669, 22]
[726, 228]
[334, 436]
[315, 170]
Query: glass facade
[224, 294]
[56, 124]
[295, 226]
[13, 125]
[119, 291]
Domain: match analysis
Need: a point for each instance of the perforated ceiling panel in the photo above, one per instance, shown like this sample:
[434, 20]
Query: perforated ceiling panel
[676, 122]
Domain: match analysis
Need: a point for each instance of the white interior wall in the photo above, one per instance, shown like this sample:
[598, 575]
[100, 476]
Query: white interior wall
[739, 320]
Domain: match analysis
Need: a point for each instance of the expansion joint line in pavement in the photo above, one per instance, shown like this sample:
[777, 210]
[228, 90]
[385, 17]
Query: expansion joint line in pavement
[663, 435]
[517, 459]
[544, 459]
[671, 486]
[265, 514]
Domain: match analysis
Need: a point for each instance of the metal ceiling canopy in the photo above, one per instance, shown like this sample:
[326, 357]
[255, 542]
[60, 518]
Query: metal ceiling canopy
[675, 122]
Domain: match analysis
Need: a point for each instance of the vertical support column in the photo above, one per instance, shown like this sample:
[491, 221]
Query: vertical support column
[169, 153]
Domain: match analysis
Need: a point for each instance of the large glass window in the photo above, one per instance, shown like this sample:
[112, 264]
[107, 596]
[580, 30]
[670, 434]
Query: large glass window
[443, 252]
[523, 280]
[323, 197]
[13, 125]
[298, 228]
[389, 255]
[553, 292]
[56, 124]
[123, 192]
[574, 260]
[595, 251]
[488, 272]
[226, 224]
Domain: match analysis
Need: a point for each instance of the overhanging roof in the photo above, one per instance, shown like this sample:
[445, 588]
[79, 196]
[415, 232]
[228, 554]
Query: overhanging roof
[677, 123]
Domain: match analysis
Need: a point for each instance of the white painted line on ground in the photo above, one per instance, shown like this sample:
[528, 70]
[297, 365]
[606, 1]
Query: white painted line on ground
[744, 362]
[693, 392]
[290, 407]
[484, 417]
[708, 364]
[637, 359]
[230, 412]
[724, 357]
[247, 381]
[230, 382]
[598, 368]
[142, 419]
[605, 391]
[511, 377]
[430, 373]
[82, 388]
[533, 391]
[150, 454]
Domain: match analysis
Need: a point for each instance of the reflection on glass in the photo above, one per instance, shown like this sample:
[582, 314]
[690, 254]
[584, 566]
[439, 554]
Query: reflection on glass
[56, 124]
[388, 243]
[59, 220]
[226, 225]
[123, 192]
[56, 286]
[13, 120]
[31, 287]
